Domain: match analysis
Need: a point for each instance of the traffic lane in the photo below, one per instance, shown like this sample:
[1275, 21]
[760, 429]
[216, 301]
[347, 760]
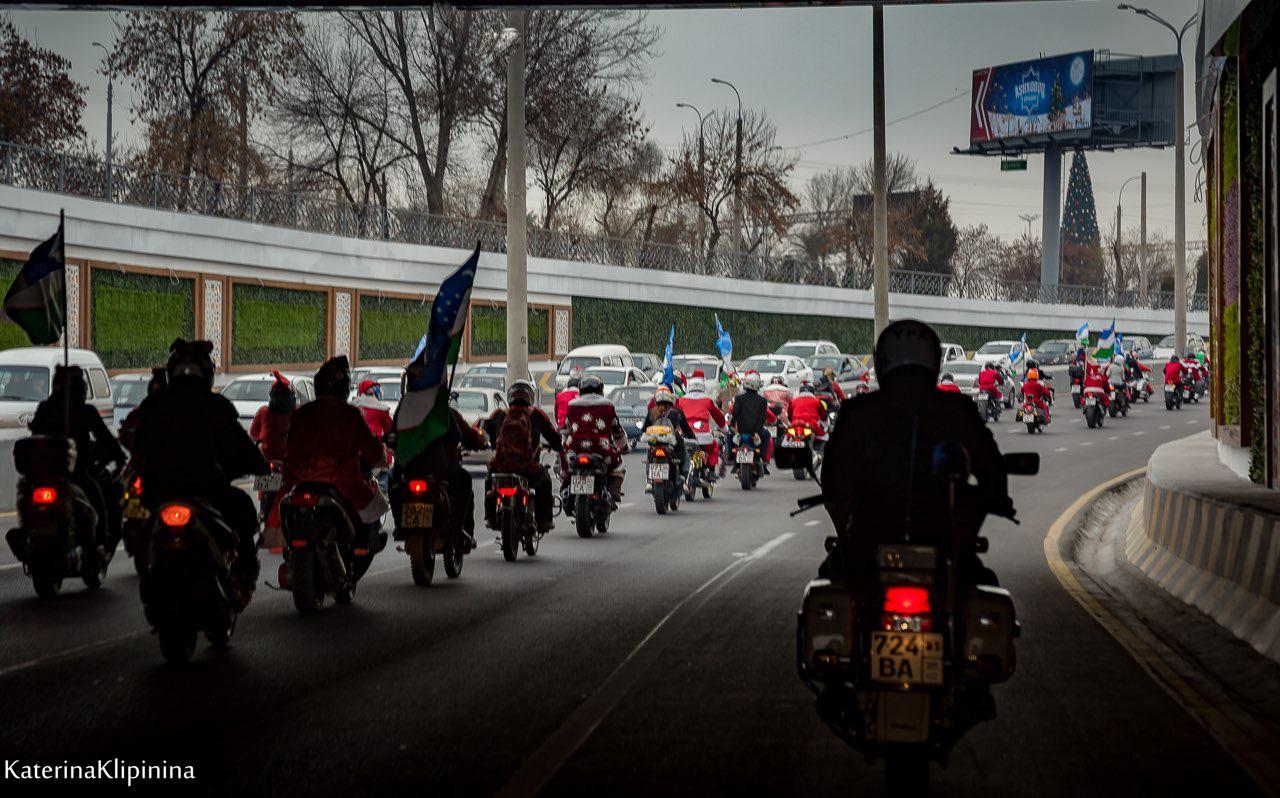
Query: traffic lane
[1080, 715]
[449, 670]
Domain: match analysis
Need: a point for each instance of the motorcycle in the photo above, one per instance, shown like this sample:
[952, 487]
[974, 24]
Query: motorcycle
[1119, 401]
[513, 517]
[188, 586]
[267, 486]
[1093, 408]
[325, 545]
[1172, 396]
[1034, 417]
[991, 407]
[800, 449]
[133, 522]
[662, 469]
[902, 666]
[1189, 389]
[702, 477]
[1076, 375]
[590, 501]
[55, 538]
[748, 457]
[424, 524]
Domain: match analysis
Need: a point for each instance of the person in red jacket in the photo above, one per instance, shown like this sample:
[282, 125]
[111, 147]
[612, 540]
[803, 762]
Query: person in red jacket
[703, 415]
[1173, 371]
[777, 393]
[376, 414]
[270, 425]
[1097, 384]
[592, 427]
[330, 442]
[564, 398]
[809, 410]
[948, 384]
[1036, 391]
[989, 381]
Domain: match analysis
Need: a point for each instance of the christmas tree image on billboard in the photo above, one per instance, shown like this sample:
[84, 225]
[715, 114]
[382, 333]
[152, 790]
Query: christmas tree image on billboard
[1057, 105]
[1081, 247]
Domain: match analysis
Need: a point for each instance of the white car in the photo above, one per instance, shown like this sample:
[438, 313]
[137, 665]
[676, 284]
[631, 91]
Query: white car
[476, 404]
[791, 368]
[1164, 349]
[378, 374]
[965, 373]
[127, 392]
[26, 380]
[585, 357]
[807, 349]
[615, 377]
[494, 369]
[995, 352]
[251, 391]
[709, 365]
[390, 392]
[952, 352]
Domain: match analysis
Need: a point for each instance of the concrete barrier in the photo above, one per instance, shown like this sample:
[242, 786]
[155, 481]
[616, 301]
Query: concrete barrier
[1211, 539]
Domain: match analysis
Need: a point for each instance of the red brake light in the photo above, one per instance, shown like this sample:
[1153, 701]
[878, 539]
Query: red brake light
[584, 460]
[176, 515]
[508, 492]
[418, 486]
[901, 600]
[137, 486]
[305, 500]
[44, 495]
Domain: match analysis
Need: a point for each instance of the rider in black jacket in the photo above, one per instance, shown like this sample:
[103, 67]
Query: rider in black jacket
[751, 414]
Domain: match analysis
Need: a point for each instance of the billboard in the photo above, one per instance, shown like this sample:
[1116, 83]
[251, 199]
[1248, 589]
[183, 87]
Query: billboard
[1030, 98]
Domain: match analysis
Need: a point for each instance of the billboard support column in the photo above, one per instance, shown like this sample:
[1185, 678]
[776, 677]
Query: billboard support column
[1051, 229]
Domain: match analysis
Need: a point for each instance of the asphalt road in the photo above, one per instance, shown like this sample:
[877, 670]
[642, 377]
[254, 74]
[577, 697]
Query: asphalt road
[655, 660]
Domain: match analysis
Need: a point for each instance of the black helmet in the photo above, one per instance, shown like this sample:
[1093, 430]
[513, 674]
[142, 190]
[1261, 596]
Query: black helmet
[70, 380]
[334, 378]
[522, 392]
[946, 375]
[591, 384]
[908, 343]
[191, 360]
[1173, 358]
[159, 381]
[282, 395]
[574, 381]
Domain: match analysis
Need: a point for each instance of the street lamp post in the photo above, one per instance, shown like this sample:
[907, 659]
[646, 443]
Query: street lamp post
[702, 187]
[110, 93]
[737, 171]
[1142, 248]
[1179, 179]
[1028, 218]
[517, 232]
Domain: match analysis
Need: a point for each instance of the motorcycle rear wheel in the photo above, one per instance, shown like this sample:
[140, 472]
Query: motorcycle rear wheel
[660, 499]
[177, 646]
[422, 562]
[307, 582]
[906, 772]
[47, 587]
[744, 477]
[510, 537]
[582, 516]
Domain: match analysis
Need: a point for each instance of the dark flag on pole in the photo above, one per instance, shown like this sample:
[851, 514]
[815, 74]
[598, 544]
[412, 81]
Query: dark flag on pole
[37, 300]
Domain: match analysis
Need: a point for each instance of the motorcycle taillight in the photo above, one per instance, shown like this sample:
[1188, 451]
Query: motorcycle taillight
[417, 486]
[44, 495]
[659, 452]
[507, 492]
[907, 600]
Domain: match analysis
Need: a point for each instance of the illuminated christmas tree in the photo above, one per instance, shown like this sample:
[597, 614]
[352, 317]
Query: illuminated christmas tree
[1081, 247]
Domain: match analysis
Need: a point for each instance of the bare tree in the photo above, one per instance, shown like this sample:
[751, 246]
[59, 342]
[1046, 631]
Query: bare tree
[39, 102]
[631, 195]
[978, 257]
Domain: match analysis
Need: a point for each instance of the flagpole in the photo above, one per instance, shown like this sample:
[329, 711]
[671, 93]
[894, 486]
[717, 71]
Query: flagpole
[66, 327]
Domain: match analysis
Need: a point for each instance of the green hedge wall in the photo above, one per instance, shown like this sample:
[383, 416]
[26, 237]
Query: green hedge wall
[391, 328]
[489, 331]
[11, 335]
[643, 327]
[278, 325]
[136, 316]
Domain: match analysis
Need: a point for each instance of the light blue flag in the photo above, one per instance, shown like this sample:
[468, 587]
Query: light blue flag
[1018, 350]
[1082, 334]
[725, 344]
[668, 370]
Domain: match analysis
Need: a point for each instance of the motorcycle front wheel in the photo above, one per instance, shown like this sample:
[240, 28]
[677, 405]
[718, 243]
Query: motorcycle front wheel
[422, 562]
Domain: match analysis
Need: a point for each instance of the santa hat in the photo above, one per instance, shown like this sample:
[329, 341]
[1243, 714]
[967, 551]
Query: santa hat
[699, 373]
[366, 386]
[280, 378]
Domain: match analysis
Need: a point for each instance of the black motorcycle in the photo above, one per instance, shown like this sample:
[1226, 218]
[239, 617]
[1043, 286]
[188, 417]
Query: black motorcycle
[326, 545]
[991, 407]
[662, 469]
[426, 526]
[513, 516]
[57, 538]
[187, 589]
[901, 666]
[589, 501]
[750, 460]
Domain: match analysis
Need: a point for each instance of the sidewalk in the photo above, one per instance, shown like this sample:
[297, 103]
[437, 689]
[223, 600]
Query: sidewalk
[1211, 539]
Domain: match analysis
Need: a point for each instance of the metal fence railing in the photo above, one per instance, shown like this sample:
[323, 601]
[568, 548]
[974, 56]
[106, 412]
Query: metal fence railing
[64, 173]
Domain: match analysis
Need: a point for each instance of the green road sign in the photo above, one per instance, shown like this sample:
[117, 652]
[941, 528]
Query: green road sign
[1014, 166]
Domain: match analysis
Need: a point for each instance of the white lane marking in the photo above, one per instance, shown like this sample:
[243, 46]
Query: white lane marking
[1139, 432]
[541, 767]
[1061, 449]
[1194, 421]
[1166, 426]
[1114, 438]
[70, 652]
[1087, 443]
[812, 523]
[625, 505]
[10, 565]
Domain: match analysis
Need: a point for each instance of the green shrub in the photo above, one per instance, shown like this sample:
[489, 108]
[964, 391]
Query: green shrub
[391, 328]
[1229, 348]
[489, 331]
[278, 325]
[136, 316]
[11, 335]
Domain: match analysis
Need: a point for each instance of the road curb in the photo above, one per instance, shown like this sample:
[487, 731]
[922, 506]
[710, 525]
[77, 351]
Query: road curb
[1165, 667]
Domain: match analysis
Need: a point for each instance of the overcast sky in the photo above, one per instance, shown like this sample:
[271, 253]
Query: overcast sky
[810, 70]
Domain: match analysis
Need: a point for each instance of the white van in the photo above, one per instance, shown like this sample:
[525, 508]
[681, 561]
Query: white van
[584, 357]
[26, 379]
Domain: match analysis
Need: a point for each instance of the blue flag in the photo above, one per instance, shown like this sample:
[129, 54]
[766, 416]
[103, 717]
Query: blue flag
[1106, 344]
[668, 370]
[725, 344]
[1082, 334]
[1017, 350]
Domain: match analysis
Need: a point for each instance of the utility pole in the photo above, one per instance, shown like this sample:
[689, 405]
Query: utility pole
[737, 171]
[702, 178]
[880, 244]
[517, 243]
[110, 102]
[1142, 251]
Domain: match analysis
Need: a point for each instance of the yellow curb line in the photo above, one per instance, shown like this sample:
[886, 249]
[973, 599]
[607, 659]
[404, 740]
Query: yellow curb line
[1260, 765]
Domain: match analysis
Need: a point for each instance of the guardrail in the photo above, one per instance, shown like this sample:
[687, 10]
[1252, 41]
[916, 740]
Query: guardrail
[45, 170]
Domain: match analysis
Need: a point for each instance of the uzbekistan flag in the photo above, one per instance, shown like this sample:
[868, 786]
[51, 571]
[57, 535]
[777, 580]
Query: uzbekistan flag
[36, 301]
[423, 413]
[1106, 344]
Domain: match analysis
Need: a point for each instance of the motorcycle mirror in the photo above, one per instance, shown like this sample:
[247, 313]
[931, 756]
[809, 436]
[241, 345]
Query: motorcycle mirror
[950, 460]
[1026, 464]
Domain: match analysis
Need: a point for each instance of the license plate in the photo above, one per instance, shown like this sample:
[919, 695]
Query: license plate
[1075, 389]
[658, 471]
[792, 443]
[582, 484]
[746, 455]
[134, 511]
[268, 483]
[906, 657]
[703, 438]
[1168, 389]
[1091, 401]
[417, 515]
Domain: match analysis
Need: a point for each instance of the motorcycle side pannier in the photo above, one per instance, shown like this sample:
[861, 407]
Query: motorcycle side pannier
[44, 455]
[990, 626]
[828, 631]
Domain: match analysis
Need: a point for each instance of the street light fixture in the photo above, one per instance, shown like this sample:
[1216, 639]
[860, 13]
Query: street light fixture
[1179, 179]
[737, 170]
[1142, 251]
[702, 187]
[110, 92]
